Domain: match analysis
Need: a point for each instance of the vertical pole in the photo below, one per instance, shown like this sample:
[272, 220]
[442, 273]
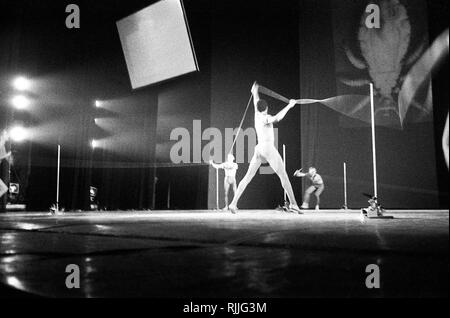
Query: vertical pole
[217, 189]
[284, 162]
[58, 178]
[374, 153]
[345, 186]
[168, 197]
[154, 189]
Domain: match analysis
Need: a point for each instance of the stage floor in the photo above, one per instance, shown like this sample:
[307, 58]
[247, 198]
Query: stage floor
[217, 254]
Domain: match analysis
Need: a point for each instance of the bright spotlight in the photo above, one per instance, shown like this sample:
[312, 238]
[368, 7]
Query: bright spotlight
[98, 104]
[94, 143]
[20, 102]
[18, 134]
[21, 83]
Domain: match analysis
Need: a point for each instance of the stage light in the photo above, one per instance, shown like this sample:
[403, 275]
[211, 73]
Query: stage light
[98, 104]
[20, 102]
[94, 143]
[14, 281]
[18, 134]
[96, 121]
[21, 83]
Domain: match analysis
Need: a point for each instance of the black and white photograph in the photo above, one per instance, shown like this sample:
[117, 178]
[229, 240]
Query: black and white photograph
[218, 156]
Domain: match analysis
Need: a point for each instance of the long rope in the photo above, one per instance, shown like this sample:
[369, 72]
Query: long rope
[240, 126]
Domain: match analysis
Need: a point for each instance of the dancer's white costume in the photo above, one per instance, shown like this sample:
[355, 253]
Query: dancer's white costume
[265, 150]
[316, 188]
[230, 168]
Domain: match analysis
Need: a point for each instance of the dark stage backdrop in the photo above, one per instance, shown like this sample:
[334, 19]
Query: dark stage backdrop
[73, 68]
[287, 46]
[257, 42]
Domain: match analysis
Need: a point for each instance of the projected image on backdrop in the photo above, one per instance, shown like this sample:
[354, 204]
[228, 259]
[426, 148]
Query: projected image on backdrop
[157, 44]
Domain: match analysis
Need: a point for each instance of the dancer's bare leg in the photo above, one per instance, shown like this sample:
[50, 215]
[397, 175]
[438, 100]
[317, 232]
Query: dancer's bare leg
[234, 190]
[276, 163]
[317, 200]
[317, 193]
[252, 169]
[227, 188]
[307, 197]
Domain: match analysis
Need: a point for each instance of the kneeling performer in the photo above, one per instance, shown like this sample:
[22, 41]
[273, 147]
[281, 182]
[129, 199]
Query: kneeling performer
[230, 167]
[317, 186]
[265, 150]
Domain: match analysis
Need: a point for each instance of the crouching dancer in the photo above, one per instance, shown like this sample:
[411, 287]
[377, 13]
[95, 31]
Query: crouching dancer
[317, 186]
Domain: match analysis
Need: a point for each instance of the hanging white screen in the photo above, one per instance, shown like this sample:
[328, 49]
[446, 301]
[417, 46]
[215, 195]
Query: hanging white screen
[157, 44]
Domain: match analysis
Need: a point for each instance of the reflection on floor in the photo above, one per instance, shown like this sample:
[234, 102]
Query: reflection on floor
[216, 254]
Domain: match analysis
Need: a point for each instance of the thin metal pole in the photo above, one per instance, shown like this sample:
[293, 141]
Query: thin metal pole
[240, 125]
[374, 151]
[168, 196]
[217, 189]
[284, 162]
[58, 178]
[154, 189]
[345, 186]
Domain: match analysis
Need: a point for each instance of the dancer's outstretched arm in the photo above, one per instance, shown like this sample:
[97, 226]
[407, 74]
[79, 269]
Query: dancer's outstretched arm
[216, 166]
[299, 174]
[280, 116]
[256, 98]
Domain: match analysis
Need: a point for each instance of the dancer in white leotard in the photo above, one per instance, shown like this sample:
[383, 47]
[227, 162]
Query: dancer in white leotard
[266, 149]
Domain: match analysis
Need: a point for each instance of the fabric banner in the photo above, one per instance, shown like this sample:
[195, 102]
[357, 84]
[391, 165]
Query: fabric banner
[383, 55]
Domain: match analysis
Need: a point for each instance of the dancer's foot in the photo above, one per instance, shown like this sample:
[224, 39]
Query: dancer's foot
[295, 209]
[305, 206]
[317, 208]
[225, 209]
[232, 208]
